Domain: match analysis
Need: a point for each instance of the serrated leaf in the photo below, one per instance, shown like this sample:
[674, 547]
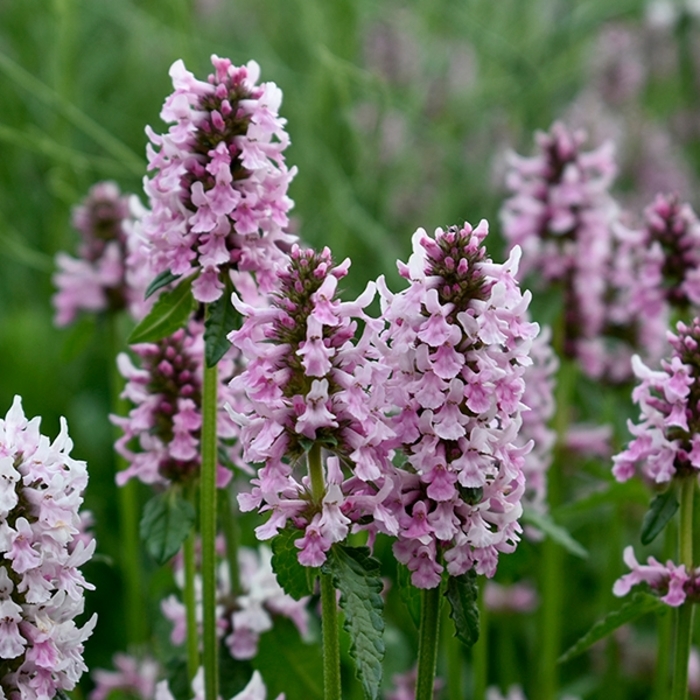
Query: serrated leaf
[559, 534]
[357, 576]
[297, 580]
[408, 593]
[222, 318]
[662, 508]
[169, 313]
[166, 522]
[288, 664]
[462, 594]
[163, 279]
[640, 604]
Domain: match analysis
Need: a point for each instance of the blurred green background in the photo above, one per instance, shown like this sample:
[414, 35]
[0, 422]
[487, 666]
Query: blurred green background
[400, 114]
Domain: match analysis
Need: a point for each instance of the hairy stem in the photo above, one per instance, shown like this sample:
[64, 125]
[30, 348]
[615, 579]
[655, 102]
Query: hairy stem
[480, 664]
[207, 525]
[428, 642]
[191, 606]
[331, 643]
[684, 620]
[329, 606]
[128, 508]
[551, 574]
[232, 537]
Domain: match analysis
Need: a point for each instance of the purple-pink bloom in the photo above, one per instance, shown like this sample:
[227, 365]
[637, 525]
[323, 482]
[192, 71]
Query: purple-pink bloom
[457, 343]
[162, 430]
[42, 546]
[671, 242]
[563, 217]
[133, 676]
[218, 186]
[538, 397]
[665, 439]
[103, 276]
[310, 381]
[671, 582]
[242, 621]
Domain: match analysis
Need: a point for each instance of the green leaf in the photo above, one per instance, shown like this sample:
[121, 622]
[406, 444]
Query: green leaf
[297, 580]
[288, 664]
[166, 522]
[357, 576]
[170, 312]
[559, 534]
[408, 593]
[462, 594]
[662, 508]
[222, 318]
[640, 604]
[164, 278]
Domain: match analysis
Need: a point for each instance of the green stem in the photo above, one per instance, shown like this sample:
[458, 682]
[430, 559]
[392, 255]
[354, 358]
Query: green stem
[128, 507]
[331, 643]
[664, 643]
[452, 653]
[684, 624]
[329, 606]
[191, 606]
[207, 525]
[232, 538]
[480, 663]
[315, 464]
[551, 574]
[428, 642]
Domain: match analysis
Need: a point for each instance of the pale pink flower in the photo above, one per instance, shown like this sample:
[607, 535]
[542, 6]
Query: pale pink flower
[132, 675]
[218, 190]
[241, 621]
[103, 277]
[162, 430]
[309, 380]
[41, 586]
[562, 215]
[665, 440]
[672, 583]
[457, 343]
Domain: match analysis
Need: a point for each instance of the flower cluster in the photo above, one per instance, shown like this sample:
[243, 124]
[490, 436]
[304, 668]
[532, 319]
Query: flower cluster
[457, 343]
[162, 431]
[517, 598]
[243, 618]
[538, 397]
[99, 279]
[136, 677]
[41, 587]
[561, 215]
[667, 438]
[218, 196]
[670, 245]
[673, 583]
[307, 384]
